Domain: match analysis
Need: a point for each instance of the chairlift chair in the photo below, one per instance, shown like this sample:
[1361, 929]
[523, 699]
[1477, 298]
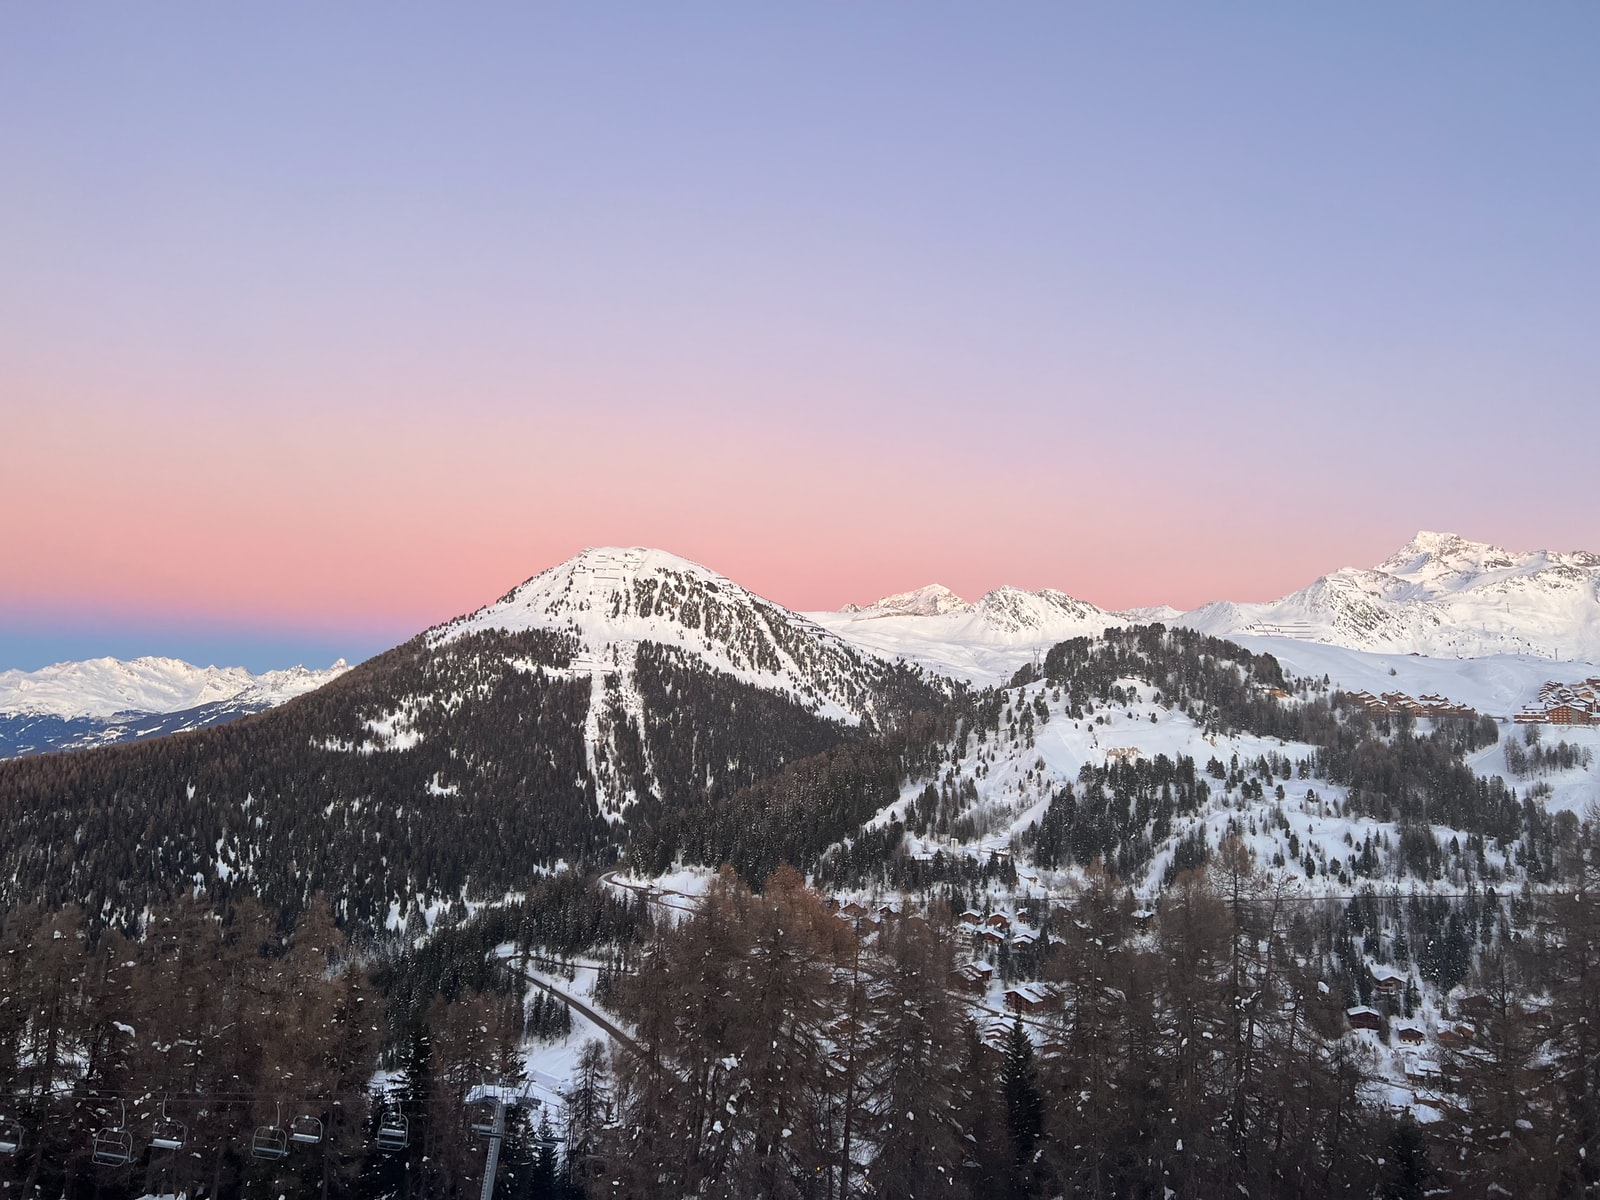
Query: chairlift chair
[113, 1147]
[394, 1132]
[270, 1141]
[306, 1130]
[483, 1125]
[168, 1134]
[10, 1135]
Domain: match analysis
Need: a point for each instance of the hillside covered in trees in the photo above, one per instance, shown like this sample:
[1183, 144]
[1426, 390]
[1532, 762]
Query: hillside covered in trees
[359, 906]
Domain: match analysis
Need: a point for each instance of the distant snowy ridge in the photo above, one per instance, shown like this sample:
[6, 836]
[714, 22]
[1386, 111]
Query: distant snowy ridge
[1438, 595]
[932, 600]
[101, 688]
[982, 642]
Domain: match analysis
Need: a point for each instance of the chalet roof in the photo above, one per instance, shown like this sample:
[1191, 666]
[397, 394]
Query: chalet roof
[1034, 993]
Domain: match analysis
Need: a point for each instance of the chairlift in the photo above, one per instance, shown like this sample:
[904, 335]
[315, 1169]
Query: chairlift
[114, 1147]
[394, 1132]
[10, 1135]
[306, 1130]
[168, 1134]
[270, 1141]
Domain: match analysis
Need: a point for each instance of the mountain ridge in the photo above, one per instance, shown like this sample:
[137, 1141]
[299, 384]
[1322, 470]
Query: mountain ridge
[1439, 595]
[104, 701]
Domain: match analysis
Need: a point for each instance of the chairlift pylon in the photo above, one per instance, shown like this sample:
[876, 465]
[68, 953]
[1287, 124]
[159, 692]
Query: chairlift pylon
[394, 1132]
[10, 1135]
[168, 1134]
[114, 1147]
[270, 1141]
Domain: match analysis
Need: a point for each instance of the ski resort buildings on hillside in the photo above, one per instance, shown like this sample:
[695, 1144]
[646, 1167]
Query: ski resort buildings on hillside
[1392, 704]
[1564, 704]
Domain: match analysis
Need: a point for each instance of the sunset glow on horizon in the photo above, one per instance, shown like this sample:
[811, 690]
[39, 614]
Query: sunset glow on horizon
[320, 327]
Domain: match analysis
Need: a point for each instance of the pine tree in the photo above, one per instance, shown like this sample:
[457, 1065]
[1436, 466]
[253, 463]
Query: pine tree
[1019, 1085]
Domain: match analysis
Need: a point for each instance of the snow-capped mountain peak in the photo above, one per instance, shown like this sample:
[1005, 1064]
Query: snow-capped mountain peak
[1015, 611]
[610, 599]
[1440, 594]
[931, 600]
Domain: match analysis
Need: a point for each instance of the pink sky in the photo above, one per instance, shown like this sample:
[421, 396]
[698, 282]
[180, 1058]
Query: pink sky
[314, 323]
[312, 513]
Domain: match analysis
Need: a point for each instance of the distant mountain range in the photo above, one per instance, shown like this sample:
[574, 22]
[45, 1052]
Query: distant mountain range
[103, 701]
[1440, 595]
[631, 701]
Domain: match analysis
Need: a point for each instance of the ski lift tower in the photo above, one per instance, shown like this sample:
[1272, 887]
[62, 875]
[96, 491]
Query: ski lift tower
[501, 1097]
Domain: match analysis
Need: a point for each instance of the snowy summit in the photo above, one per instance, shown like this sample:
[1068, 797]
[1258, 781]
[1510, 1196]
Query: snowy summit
[1440, 594]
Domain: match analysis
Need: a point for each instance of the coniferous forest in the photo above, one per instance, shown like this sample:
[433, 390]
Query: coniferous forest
[277, 957]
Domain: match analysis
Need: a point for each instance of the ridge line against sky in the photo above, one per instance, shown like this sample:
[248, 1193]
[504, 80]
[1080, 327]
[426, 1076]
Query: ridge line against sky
[324, 325]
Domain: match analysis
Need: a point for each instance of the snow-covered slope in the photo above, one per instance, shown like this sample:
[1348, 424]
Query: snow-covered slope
[982, 642]
[1496, 684]
[1438, 595]
[613, 599]
[996, 786]
[105, 700]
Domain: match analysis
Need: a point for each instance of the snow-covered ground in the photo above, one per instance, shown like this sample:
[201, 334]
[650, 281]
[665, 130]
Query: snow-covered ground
[1497, 685]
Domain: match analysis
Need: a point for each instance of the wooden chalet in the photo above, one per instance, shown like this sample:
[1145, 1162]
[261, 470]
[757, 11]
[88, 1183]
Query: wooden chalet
[1362, 1017]
[1388, 983]
[1030, 998]
[1423, 1070]
[974, 977]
